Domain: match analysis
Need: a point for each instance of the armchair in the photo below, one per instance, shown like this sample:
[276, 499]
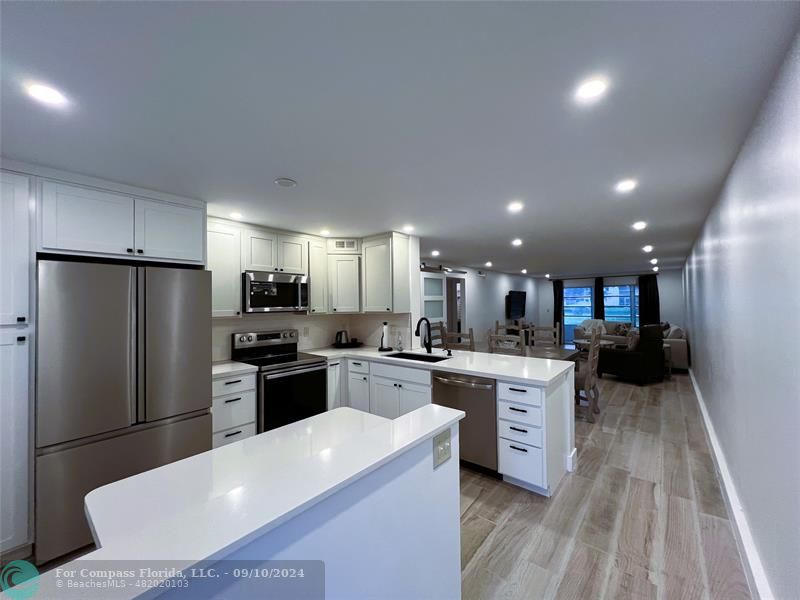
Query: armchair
[643, 364]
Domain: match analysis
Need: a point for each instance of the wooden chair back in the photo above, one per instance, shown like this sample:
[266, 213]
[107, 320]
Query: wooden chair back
[455, 340]
[546, 336]
[499, 329]
[506, 344]
[438, 334]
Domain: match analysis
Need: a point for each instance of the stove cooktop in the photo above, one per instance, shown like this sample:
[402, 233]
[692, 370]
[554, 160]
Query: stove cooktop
[282, 361]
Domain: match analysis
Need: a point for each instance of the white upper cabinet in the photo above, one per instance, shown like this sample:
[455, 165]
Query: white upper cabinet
[259, 251]
[76, 218]
[376, 276]
[293, 254]
[14, 249]
[318, 277]
[169, 231]
[401, 273]
[224, 252]
[343, 283]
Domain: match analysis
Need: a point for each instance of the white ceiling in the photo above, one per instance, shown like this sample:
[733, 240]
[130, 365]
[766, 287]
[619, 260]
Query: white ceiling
[435, 114]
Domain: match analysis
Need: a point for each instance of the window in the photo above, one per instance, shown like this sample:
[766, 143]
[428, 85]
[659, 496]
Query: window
[577, 308]
[621, 303]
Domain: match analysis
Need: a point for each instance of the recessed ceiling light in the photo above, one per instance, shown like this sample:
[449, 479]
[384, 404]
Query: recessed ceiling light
[653, 261]
[655, 269]
[285, 182]
[516, 242]
[591, 90]
[515, 207]
[236, 215]
[647, 248]
[45, 94]
[488, 263]
[434, 253]
[524, 271]
[626, 186]
[547, 275]
[324, 232]
[639, 225]
[408, 228]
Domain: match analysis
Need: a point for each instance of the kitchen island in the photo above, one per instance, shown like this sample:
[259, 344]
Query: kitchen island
[376, 500]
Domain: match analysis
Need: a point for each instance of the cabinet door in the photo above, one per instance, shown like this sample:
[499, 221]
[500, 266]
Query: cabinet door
[224, 247]
[14, 249]
[259, 251]
[377, 275]
[75, 218]
[358, 391]
[343, 284]
[384, 398]
[14, 445]
[413, 396]
[171, 231]
[401, 274]
[292, 254]
[318, 273]
[334, 385]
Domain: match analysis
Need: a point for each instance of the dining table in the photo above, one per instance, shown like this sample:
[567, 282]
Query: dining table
[566, 352]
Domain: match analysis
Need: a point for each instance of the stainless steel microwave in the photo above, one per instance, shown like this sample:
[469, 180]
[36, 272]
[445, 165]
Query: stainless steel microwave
[274, 292]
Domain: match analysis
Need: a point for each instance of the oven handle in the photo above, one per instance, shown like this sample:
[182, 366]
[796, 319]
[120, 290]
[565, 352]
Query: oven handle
[296, 372]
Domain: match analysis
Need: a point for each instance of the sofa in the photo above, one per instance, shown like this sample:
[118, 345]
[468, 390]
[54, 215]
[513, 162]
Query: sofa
[619, 333]
[643, 363]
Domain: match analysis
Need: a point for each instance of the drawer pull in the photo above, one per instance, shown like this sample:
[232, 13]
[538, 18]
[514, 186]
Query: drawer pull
[356, 364]
[517, 448]
[518, 390]
[227, 435]
[364, 378]
[518, 429]
[515, 409]
[232, 382]
[232, 400]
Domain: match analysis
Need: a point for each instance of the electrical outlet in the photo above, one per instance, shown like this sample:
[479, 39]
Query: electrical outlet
[441, 448]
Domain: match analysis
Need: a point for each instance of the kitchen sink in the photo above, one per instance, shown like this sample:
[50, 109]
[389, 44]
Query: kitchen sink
[420, 357]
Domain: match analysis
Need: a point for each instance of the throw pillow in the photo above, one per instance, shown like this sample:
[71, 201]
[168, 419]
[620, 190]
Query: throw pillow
[675, 333]
[633, 340]
[623, 329]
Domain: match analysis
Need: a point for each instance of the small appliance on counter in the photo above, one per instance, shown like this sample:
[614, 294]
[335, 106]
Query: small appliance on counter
[343, 340]
[385, 339]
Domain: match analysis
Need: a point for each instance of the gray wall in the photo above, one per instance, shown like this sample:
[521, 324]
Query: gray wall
[670, 293]
[742, 296]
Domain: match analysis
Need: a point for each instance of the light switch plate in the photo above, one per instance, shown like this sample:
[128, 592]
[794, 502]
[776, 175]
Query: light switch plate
[441, 448]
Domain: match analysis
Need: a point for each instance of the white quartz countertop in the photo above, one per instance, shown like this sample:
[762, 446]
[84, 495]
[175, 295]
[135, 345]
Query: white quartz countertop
[210, 504]
[229, 368]
[519, 369]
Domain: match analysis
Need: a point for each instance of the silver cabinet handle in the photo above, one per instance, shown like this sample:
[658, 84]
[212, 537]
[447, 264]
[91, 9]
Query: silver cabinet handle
[462, 383]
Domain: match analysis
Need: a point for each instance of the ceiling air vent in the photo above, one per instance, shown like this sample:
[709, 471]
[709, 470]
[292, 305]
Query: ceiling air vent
[344, 246]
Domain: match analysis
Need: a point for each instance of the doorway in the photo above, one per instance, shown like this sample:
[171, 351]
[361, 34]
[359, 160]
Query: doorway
[456, 297]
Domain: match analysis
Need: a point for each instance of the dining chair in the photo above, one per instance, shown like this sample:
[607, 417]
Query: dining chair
[586, 378]
[546, 336]
[458, 340]
[506, 344]
[438, 335]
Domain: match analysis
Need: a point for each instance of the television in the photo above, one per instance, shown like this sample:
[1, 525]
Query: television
[515, 305]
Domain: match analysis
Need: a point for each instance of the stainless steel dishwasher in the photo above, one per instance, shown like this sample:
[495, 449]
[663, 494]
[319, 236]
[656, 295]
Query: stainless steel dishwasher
[478, 430]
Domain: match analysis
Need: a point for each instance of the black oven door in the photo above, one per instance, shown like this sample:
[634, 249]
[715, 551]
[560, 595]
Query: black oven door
[289, 396]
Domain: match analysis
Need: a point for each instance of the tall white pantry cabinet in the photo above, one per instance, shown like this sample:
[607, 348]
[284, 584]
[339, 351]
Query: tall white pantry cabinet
[15, 357]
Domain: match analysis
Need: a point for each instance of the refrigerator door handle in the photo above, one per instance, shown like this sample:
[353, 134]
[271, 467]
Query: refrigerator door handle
[140, 342]
[132, 350]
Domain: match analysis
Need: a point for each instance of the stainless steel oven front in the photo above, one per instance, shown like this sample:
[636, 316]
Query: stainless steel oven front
[274, 292]
[287, 396]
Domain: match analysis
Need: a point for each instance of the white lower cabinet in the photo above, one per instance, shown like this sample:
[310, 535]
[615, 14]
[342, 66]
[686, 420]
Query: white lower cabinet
[334, 385]
[233, 408]
[387, 390]
[384, 398]
[234, 434]
[521, 461]
[358, 391]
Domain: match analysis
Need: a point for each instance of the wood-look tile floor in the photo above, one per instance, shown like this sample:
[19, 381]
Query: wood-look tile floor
[641, 517]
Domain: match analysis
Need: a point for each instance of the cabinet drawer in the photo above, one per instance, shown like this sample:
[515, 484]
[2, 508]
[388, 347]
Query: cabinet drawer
[521, 462]
[519, 393]
[521, 433]
[420, 376]
[234, 409]
[521, 413]
[233, 385]
[234, 434]
[357, 366]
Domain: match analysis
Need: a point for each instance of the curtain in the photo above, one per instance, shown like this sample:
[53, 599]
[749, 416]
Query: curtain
[558, 304]
[599, 301]
[649, 304]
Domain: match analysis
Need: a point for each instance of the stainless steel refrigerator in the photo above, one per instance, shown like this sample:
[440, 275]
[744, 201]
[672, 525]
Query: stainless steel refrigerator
[123, 384]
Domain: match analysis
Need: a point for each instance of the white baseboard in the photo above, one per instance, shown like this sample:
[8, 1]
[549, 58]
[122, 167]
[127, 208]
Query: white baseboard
[754, 568]
[572, 460]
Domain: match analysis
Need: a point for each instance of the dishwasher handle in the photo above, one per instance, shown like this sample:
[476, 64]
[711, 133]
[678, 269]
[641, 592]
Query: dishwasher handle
[462, 383]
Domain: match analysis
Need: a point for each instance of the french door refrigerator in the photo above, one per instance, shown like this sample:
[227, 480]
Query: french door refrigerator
[123, 384]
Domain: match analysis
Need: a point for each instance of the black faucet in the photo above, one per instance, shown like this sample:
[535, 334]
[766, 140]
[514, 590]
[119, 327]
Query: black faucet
[426, 339]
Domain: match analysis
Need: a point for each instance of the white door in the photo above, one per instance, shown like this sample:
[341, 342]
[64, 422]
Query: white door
[413, 396]
[318, 277]
[170, 231]
[334, 385]
[76, 218]
[224, 247]
[14, 249]
[14, 445]
[343, 283]
[384, 398]
[292, 254]
[376, 275]
[433, 296]
[358, 391]
[259, 251]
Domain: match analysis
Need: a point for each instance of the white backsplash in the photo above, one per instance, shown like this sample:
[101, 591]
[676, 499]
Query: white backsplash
[369, 327]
